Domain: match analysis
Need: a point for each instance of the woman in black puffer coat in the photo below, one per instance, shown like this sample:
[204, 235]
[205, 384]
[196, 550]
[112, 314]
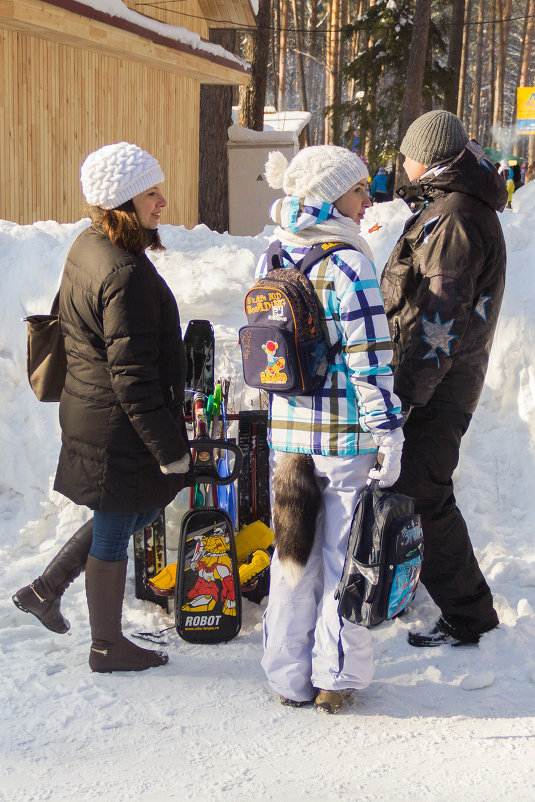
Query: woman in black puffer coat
[124, 447]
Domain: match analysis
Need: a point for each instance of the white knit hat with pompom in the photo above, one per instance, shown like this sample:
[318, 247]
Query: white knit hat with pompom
[114, 174]
[324, 172]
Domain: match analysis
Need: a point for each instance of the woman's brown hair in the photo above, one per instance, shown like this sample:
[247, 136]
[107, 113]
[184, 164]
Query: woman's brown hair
[123, 228]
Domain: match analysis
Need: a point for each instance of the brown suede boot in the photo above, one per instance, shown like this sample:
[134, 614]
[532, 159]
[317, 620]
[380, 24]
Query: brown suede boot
[42, 597]
[110, 650]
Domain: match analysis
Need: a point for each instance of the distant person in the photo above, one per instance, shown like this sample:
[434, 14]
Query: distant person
[510, 187]
[523, 172]
[124, 446]
[391, 181]
[353, 141]
[324, 446]
[443, 287]
[516, 176]
[530, 173]
[379, 189]
[503, 170]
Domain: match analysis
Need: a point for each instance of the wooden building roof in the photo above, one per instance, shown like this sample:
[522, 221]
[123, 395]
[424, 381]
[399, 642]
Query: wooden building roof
[115, 36]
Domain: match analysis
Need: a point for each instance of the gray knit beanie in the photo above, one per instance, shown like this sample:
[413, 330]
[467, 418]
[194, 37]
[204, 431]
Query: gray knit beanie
[434, 137]
[116, 173]
[324, 172]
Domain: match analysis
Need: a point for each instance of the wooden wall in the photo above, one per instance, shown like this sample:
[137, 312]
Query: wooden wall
[185, 14]
[58, 103]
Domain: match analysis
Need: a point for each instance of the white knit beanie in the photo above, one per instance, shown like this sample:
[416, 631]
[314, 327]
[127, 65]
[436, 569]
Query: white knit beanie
[114, 174]
[324, 172]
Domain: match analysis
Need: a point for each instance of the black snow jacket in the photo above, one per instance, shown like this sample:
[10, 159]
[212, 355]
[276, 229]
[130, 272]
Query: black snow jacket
[121, 410]
[444, 282]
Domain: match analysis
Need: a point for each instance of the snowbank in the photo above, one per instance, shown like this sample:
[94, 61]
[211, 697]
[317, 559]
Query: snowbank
[433, 725]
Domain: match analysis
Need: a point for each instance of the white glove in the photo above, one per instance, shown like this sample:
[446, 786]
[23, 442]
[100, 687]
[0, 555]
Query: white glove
[390, 450]
[178, 466]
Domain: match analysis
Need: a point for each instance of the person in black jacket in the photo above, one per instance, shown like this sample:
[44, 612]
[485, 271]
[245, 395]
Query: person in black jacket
[443, 286]
[124, 451]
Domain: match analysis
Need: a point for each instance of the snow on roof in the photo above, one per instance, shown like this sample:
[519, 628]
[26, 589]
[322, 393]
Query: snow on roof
[281, 126]
[116, 8]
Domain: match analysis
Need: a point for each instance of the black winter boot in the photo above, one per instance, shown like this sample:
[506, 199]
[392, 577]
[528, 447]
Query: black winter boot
[42, 597]
[446, 632]
[110, 650]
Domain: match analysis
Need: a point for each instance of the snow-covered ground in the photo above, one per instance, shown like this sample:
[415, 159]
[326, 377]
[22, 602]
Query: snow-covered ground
[435, 724]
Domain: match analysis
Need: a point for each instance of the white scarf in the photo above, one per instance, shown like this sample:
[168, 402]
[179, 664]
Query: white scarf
[341, 229]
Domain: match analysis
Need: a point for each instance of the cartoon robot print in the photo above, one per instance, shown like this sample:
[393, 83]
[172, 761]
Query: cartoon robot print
[213, 566]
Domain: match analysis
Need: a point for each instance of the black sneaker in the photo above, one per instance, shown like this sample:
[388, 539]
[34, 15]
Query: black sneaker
[444, 633]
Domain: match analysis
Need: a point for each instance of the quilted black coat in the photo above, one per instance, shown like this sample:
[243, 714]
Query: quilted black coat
[444, 282]
[121, 409]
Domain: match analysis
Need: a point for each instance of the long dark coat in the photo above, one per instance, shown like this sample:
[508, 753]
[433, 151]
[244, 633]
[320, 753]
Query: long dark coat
[121, 409]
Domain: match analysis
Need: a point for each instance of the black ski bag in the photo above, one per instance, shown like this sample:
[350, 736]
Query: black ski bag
[283, 346]
[383, 560]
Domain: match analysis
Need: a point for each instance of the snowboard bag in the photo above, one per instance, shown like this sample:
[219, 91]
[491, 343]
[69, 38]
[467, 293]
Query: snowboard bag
[207, 587]
[150, 559]
[383, 560]
[199, 342]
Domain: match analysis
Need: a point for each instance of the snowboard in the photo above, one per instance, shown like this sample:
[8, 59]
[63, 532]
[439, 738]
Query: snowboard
[199, 342]
[207, 588]
[150, 559]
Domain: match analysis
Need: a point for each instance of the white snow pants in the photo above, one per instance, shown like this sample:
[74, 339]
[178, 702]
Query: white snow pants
[306, 643]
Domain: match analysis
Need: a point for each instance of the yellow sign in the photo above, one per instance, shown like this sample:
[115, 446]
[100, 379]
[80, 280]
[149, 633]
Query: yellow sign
[525, 96]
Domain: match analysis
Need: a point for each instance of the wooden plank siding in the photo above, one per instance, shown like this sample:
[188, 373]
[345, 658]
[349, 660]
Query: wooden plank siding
[184, 13]
[61, 98]
[197, 15]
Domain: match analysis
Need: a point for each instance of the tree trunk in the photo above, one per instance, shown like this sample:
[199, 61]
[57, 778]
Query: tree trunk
[412, 99]
[215, 119]
[253, 96]
[275, 50]
[464, 60]
[525, 60]
[367, 137]
[455, 48]
[332, 122]
[283, 39]
[476, 86]
[491, 71]
[300, 63]
[504, 12]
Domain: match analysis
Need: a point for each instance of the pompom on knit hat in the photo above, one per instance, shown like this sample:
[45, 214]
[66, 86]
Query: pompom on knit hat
[434, 137]
[114, 174]
[324, 172]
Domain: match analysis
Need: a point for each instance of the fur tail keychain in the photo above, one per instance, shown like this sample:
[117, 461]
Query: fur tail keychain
[297, 500]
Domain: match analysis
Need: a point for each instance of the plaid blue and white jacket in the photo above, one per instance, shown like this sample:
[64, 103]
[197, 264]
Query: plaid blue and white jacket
[357, 399]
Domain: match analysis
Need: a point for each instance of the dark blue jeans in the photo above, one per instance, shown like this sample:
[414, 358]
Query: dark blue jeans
[112, 531]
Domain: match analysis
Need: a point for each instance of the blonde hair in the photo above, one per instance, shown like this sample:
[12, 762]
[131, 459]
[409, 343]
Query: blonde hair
[123, 229]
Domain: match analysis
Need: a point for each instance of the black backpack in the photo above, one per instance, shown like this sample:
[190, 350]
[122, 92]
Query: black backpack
[384, 557]
[283, 345]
